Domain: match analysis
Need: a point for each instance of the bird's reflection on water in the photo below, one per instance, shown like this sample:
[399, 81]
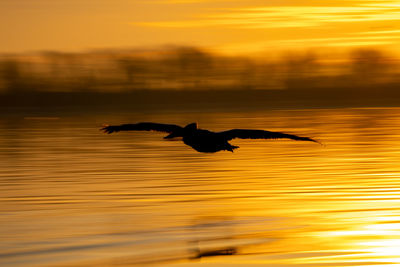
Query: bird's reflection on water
[72, 196]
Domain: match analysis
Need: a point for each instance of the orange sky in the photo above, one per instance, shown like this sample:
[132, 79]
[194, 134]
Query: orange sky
[226, 25]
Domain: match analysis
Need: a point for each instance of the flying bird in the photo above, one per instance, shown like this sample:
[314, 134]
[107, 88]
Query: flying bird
[203, 140]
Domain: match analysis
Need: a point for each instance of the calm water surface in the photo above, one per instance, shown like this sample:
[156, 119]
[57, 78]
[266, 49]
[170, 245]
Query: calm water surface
[73, 196]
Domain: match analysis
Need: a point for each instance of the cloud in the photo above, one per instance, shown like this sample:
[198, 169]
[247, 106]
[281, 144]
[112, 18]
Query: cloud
[382, 32]
[345, 41]
[288, 16]
[295, 24]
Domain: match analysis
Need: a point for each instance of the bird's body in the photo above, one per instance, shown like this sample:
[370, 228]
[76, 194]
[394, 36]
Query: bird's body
[206, 141]
[203, 140]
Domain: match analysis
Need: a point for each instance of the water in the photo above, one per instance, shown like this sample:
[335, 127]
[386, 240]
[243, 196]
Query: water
[73, 196]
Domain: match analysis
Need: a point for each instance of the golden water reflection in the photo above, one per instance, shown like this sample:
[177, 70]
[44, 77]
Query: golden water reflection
[72, 196]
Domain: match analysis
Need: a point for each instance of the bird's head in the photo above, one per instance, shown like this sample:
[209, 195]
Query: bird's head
[191, 127]
[179, 133]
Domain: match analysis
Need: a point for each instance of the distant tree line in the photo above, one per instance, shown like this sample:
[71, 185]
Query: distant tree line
[189, 68]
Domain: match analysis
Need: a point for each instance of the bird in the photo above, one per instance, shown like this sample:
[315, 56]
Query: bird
[203, 140]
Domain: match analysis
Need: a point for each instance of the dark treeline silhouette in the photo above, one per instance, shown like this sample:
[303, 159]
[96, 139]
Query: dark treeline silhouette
[188, 74]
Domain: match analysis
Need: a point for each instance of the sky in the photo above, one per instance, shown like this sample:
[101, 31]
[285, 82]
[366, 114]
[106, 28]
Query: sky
[240, 26]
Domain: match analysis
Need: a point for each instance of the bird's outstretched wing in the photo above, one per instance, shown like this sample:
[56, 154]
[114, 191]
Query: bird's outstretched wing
[261, 134]
[142, 126]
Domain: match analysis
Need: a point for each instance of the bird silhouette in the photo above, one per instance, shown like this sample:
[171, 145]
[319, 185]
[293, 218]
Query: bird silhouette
[203, 140]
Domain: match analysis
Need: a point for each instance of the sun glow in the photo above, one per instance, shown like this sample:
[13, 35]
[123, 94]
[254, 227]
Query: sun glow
[376, 241]
[384, 248]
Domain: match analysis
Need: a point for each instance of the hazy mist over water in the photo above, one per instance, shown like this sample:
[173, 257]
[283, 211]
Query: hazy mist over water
[73, 196]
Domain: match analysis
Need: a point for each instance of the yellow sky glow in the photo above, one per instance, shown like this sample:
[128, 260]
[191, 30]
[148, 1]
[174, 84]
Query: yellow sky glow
[226, 25]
